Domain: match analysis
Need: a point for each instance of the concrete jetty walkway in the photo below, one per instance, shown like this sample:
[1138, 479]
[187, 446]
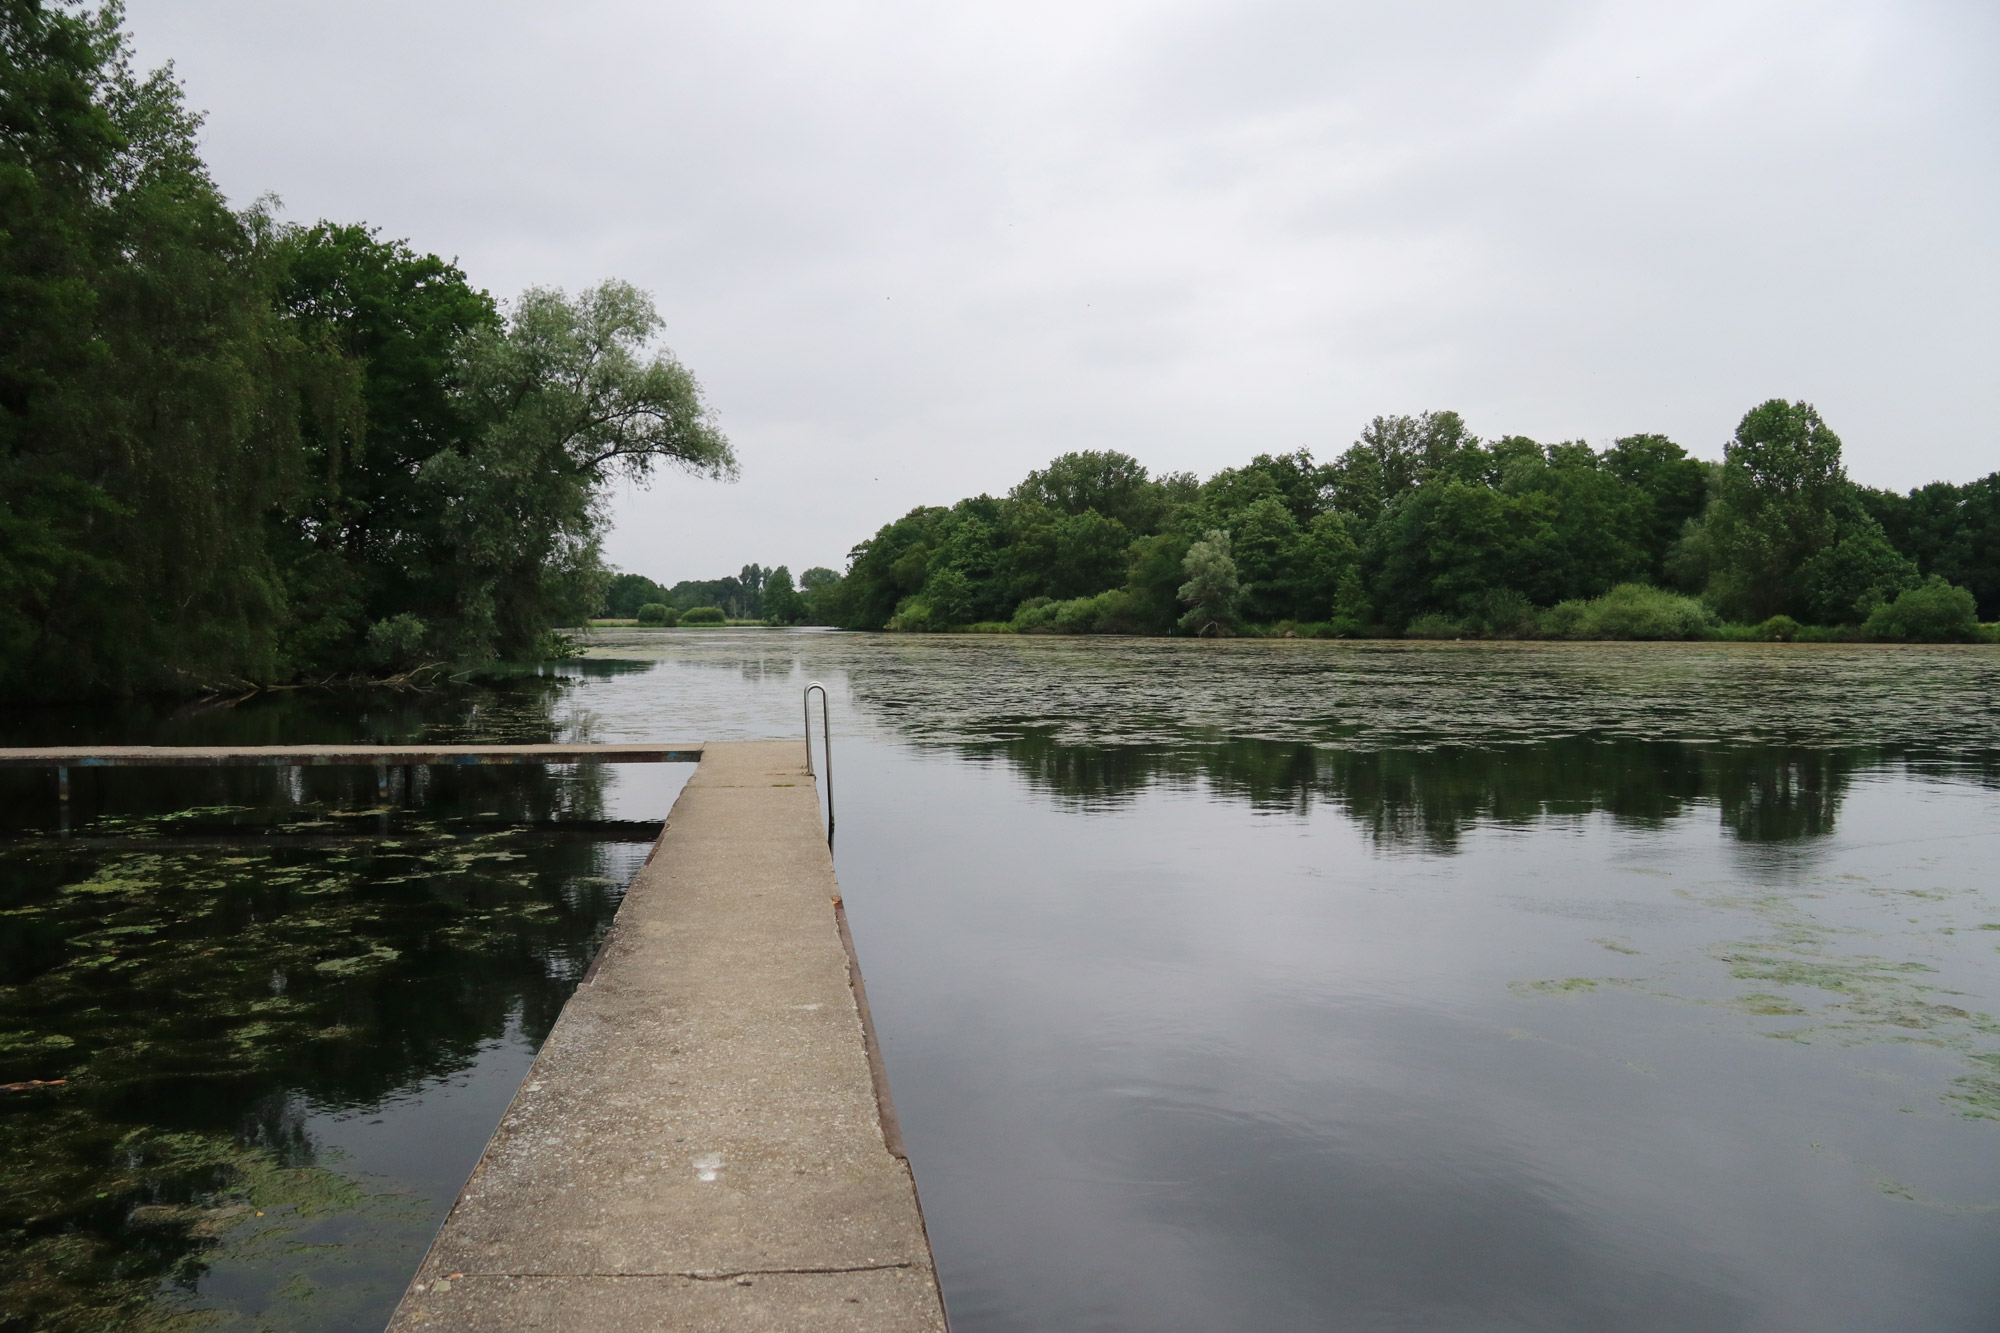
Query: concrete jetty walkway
[705, 1140]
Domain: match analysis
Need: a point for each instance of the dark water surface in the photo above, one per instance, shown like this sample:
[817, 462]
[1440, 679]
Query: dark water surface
[286, 1015]
[1222, 986]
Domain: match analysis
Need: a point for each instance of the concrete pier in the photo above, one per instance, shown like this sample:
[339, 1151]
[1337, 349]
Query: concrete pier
[706, 1139]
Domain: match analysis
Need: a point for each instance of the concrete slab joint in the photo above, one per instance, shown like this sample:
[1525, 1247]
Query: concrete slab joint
[706, 1139]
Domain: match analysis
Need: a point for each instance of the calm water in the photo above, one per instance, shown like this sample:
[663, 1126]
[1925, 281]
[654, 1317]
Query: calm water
[287, 1014]
[1222, 986]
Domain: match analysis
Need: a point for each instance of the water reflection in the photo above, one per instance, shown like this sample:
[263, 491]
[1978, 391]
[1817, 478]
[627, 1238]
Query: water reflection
[1426, 799]
[1194, 1068]
[1937, 698]
[1243, 985]
[1273, 986]
[221, 993]
[1417, 742]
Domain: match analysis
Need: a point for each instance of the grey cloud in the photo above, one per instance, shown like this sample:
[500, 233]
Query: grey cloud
[934, 245]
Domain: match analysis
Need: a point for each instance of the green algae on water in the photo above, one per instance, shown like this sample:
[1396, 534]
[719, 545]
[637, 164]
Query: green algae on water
[260, 986]
[1566, 986]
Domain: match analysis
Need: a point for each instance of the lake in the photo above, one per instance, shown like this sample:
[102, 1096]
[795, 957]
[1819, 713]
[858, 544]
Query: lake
[1238, 985]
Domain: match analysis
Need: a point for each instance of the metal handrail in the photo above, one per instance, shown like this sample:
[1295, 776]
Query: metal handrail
[826, 746]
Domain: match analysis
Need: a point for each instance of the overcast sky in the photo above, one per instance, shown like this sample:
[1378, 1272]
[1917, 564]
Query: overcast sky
[913, 250]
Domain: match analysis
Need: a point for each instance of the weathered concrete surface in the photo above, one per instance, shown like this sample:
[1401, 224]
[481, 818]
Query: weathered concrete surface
[699, 1144]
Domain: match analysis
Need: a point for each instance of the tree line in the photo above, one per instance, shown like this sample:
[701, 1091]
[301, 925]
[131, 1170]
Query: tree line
[1422, 529]
[236, 451]
[754, 593]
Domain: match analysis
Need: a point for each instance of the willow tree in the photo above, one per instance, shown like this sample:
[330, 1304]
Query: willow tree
[1212, 589]
[461, 520]
[566, 398]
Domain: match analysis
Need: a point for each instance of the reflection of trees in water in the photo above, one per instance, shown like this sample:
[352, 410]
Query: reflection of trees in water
[1778, 795]
[1427, 798]
[1415, 742]
[527, 710]
[194, 1001]
[1819, 977]
[199, 1002]
[516, 709]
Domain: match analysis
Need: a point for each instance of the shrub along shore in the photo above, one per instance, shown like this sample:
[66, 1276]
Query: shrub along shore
[1630, 611]
[1422, 530]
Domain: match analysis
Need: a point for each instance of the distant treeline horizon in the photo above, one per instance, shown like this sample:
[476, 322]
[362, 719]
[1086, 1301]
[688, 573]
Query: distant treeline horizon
[1422, 529]
[752, 593]
[237, 452]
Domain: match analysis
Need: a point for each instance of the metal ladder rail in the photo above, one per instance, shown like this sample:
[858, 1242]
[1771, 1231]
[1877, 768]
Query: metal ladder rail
[826, 747]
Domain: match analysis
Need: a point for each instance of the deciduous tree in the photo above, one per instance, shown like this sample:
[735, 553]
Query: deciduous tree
[1212, 589]
[1784, 510]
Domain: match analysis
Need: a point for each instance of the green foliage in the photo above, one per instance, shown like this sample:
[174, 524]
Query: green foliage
[1052, 554]
[1674, 487]
[363, 542]
[1265, 545]
[235, 452]
[1778, 629]
[1109, 485]
[150, 393]
[1324, 560]
[1352, 611]
[885, 569]
[1629, 611]
[1545, 523]
[1392, 458]
[554, 646]
[627, 593]
[1212, 591]
[704, 615]
[1787, 532]
[473, 500]
[753, 593]
[1419, 528]
[739, 595]
[782, 603]
[918, 614]
[1107, 613]
[1445, 546]
[1599, 522]
[1840, 583]
[1932, 612]
[1154, 574]
[819, 588]
[1431, 625]
[1069, 530]
[565, 396]
[1951, 531]
[397, 642]
[657, 613]
[950, 595]
[1503, 613]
